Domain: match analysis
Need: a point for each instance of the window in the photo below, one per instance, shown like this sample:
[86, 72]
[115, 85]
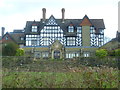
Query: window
[21, 38]
[32, 40]
[45, 54]
[70, 41]
[72, 54]
[34, 28]
[79, 29]
[70, 29]
[86, 54]
[51, 33]
[101, 31]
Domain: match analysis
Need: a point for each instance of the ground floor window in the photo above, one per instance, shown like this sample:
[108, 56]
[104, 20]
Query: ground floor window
[72, 54]
[37, 55]
[45, 54]
[86, 54]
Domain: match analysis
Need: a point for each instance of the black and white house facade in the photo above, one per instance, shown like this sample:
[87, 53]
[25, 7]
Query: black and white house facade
[61, 38]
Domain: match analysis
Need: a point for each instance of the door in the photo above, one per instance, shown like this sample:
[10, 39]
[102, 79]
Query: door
[56, 54]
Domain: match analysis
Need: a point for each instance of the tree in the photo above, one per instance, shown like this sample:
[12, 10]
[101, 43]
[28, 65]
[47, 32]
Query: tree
[117, 52]
[19, 52]
[101, 53]
[9, 49]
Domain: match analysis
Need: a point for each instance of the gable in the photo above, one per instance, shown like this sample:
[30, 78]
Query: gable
[7, 38]
[86, 21]
[51, 21]
[56, 45]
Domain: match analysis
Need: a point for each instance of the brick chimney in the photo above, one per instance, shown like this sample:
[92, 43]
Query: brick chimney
[44, 15]
[63, 15]
[3, 30]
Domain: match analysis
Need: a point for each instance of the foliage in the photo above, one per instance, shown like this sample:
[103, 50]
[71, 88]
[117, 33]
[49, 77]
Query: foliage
[9, 49]
[17, 72]
[111, 53]
[101, 53]
[19, 52]
[77, 77]
[117, 52]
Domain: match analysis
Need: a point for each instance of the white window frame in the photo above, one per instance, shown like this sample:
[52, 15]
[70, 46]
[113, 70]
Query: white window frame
[34, 28]
[70, 29]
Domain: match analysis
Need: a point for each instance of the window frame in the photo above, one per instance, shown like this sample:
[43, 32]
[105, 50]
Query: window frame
[71, 29]
[34, 28]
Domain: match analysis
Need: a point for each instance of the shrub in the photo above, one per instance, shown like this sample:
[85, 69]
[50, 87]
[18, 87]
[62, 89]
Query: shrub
[111, 53]
[117, 52]
[19, 52]
[101, 53]
[9, 49]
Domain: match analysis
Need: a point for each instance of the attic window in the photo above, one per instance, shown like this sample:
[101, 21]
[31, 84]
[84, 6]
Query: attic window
[101, 31]
[34, 28]
[70, 29]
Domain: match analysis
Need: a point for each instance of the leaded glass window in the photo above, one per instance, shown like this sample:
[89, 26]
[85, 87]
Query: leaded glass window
[51, 33]
[70, 29]
[32, 40]
[34, 28]
[70, 41]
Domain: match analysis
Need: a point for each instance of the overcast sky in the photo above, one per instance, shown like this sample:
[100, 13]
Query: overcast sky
[15, 13]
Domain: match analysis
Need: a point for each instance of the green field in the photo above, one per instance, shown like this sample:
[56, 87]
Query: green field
[59, 75]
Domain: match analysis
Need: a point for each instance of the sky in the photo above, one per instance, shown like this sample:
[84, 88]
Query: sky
[15, 13]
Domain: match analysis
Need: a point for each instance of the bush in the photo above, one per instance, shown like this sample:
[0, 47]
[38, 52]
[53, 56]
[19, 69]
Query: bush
[101, 53]
[117, 52]
[9, 49]
[111, 53]
[19, 52]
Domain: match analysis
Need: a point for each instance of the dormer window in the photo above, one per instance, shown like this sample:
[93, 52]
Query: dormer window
[34, 28]
[101, 31]
[70, 29]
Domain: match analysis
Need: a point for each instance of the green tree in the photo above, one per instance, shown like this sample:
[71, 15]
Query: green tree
[9, 49]
[117, 52]
[19, 52]
[101, 53]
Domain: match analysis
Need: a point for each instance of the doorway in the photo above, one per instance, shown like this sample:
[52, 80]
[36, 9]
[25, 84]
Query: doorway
[56, 54]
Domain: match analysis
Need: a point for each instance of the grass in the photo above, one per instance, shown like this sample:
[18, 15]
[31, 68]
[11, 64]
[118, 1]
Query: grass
[71, 77]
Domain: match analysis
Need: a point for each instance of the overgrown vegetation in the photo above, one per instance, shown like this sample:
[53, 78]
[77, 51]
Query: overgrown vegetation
[20, 52]
[117, 52]
[27, 73]
[82, 77]
[101, 53]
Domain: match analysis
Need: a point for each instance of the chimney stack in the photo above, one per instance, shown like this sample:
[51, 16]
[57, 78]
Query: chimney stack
[44, 14]
[63, 15]
[3, 31]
